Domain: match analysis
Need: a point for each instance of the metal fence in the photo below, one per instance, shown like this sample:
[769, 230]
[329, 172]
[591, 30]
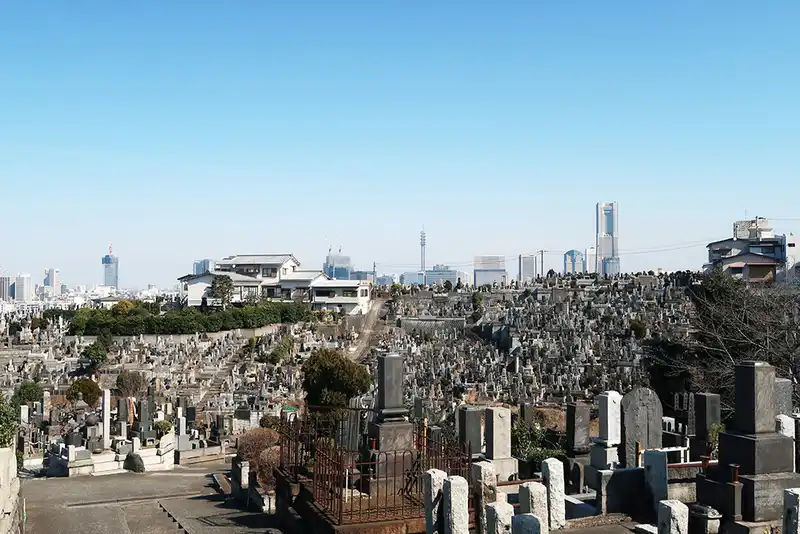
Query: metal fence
[363, 484]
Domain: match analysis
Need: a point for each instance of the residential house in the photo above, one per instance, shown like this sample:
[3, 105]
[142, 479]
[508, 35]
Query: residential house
[351, 297]
[754, 253]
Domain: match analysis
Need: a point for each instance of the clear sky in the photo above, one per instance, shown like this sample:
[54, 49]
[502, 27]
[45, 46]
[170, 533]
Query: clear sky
[188, 129]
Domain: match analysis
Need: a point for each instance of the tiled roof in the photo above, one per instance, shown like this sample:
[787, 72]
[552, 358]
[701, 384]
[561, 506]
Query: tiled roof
[257, 259]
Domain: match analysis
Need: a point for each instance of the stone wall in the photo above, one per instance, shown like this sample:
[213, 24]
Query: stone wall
[244, 333]
[10, 515]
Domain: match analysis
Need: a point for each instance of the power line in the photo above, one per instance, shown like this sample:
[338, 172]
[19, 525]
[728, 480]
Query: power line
[512, 257]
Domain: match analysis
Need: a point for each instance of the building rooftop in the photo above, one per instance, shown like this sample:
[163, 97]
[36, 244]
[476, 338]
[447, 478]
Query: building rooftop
[258, 259]
[340, 283]
[236, 277]
[302, 275]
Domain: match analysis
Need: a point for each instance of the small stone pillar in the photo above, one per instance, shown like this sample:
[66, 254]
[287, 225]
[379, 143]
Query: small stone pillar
[432, 485]
[533, 500]
[791, 510]
[498, 517]
[553, 474]
[456, 505]
[526, 524]
[673, 517]
[106, 419]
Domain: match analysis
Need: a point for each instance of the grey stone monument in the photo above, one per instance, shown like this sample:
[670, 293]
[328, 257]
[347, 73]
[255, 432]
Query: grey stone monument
[391, 430]
[641, 424]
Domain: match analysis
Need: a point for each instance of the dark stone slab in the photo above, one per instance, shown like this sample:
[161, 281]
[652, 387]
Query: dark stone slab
[122, 409]
[756, 407]
[75, 438]
[641, 423]
[762, 495]
[390, 387]
[783, 396]
[723, 496]
[757, 454]
[526, 411]
[191, 414]
[469, 428]
[578, 428]
[707, 413]
[392, 435]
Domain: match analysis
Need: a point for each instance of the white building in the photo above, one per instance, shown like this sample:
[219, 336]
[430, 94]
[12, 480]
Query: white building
[51, 281]
[527, 268]
[607, 262]
[274, 276]
[443, 273]
[23, 288]
[590, 260]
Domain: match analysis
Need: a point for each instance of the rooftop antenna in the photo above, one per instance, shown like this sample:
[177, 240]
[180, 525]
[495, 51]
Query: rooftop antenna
[110, 251]
[422, 252]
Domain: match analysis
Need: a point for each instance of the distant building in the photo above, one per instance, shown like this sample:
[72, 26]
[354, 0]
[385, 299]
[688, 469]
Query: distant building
[364, 276]
[51, 281]
[64, 289]
[386, 280]
[755, 254]
[527, 268]
[483, 277]
[413, 278]
[6, 283]
[23, 288]
[337, 266]
[443, 273]
[590, 260]
[110, 270]
[202, 266]
[607, 239]
[489, 262]
[573, 262]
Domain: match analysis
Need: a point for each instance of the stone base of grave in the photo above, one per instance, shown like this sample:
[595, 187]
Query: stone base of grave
[574, 469]
[105, 463]
[723, 496]
[762, 495]
[153, 461]
[757, 453]
[78, 468]
[603, 456]
[505, 468]
[392, 436]
[748, 527]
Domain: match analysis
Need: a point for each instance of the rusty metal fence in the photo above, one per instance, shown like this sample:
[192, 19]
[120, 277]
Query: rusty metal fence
[361, 484]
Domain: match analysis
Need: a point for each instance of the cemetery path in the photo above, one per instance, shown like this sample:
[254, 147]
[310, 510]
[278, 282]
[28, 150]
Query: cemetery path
[132, 504]
[366, 334]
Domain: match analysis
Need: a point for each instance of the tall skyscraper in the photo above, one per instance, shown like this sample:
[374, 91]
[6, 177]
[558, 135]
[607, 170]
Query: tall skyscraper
[23, 288]
[573, 262]
[5, 288]
[590, 260]
[51, 281]
[110, 269]
[489, 270]
[337, 266]
[202, 266]
[527, 267]
[607, 239]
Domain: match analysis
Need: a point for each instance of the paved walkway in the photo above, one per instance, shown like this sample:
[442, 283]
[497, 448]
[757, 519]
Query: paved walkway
[134, 504]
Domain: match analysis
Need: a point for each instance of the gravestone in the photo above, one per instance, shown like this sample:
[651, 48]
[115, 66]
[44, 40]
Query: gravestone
[390, 430]
[469, 429]
[578, 417]
[707, 413]
[641, 424]
[783, 396]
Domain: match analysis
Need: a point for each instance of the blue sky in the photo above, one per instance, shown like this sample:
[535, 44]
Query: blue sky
[189, 129]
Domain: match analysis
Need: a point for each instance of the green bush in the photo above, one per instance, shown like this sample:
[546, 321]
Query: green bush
[9, 422]
[139, 320]
[162, 427]
[88, 388]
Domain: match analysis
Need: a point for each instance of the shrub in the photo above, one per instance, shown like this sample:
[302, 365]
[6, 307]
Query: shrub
[270, 421]
[330, 379]
[89, 388]
[268, 460]
[131, 383]
[9, 421]
[26, 392]
[162, 427]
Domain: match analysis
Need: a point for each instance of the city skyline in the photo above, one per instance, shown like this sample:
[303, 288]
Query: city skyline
[535, 110]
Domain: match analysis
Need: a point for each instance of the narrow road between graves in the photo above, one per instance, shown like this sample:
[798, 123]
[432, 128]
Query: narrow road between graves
[367, 332]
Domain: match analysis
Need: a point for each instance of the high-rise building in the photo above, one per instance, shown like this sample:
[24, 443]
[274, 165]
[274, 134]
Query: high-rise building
[23, 288]
[202, 266]
[607, 239]
[573, 262]
[489, 270]
[51, 281]
[5, 288]
[590, 260]
[337, 266]
[527, 268]
[110, 269]
[443, 273]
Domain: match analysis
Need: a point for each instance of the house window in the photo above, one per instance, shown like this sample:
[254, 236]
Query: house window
[270, 292]
[349, 293]
[737, 270]
[365, 292]
[269, 272]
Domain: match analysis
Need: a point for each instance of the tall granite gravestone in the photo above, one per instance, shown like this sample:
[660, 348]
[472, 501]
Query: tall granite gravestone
[764, 458]
[707, 413]
[578, 428]
[641, 424]
[391, 430]
[469, 429]
[783, 396]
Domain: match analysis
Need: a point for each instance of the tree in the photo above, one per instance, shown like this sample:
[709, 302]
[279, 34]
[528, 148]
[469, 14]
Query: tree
[396, 290]
[131, 383]
[459, 284]
[638, 328]
[96, 355]
[123, 308]
[9, 422]
[88, 388]
[731, 323]
[222, 288]
[477, 300]
[448, 286]
[26, 392]
[330, 379]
